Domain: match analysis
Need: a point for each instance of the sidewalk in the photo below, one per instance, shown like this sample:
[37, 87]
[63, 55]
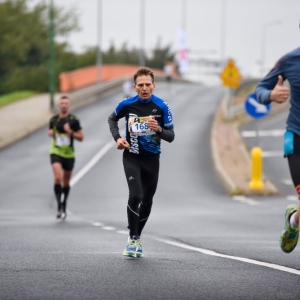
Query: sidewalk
[23, 117]
[230, 155]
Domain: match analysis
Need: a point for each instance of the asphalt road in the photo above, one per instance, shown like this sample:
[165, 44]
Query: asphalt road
[199, 243]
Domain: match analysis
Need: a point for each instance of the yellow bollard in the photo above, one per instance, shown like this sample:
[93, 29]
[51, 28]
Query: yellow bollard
[256, 182]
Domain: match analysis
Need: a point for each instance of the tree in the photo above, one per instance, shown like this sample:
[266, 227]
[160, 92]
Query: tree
[159, 56]
[24, 37]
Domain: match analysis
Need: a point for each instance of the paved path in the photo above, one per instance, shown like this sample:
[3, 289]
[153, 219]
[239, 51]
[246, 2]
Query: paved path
[23, 117]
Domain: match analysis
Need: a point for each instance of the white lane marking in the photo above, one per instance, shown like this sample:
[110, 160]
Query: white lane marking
[108, 228]
[98, 224]
[104, 150]
[265, 133]
[91, 163]
[246, 260]
[292, 198]
[246, 200]
[272, 154]
[287, 181]
[122, 232]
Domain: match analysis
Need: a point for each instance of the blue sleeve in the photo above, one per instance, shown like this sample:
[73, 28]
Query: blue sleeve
[265, 86]
[168, 117]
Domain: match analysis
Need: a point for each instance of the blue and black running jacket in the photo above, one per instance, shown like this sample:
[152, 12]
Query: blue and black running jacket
[135, 107]
[288, 67]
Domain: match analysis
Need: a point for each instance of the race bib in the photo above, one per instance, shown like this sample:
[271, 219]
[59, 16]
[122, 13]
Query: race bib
[62, 140]
[139, 126]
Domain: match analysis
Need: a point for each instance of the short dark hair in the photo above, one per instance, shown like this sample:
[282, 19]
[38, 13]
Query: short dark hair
[63, 97]
[143, 71]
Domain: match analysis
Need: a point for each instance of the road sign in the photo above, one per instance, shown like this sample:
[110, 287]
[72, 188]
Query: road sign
[231, 76]
[255, 109]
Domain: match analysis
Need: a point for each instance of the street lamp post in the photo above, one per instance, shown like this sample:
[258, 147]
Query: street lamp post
[264, 28]
[223, 30]
[51, 55]
[142, 34]
[183, 14]
[99, 39]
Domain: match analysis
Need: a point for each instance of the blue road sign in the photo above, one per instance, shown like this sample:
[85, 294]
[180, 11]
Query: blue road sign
[255, 109]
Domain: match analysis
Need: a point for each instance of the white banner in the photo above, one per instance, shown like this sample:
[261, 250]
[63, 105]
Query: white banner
[182, 51]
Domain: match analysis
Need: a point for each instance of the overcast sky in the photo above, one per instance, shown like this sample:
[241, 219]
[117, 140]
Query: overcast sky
[243, 25]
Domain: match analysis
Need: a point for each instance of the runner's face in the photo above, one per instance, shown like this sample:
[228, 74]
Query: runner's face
[64, 105]
[144, 86]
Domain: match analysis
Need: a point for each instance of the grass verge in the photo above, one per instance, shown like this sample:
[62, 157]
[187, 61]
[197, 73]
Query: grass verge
[15, 96]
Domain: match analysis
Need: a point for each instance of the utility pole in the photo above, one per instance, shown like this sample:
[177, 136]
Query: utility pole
[183, 14]
[99, 38]
[142, 33]
[223, 30]
[264, 28]
[51, 55]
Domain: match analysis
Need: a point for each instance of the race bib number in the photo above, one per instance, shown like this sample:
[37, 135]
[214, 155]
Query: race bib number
[62, 140]
[139, 126]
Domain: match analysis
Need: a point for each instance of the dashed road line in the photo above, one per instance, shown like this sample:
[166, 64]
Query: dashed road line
[262, 133]
[108, 228]
[272, 154]
[292, 198]
[98, 224]
[244, 199]
[287, 181]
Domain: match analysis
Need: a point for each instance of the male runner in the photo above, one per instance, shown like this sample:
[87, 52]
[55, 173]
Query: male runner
[148, 120]
[271, 89]
[63, 128]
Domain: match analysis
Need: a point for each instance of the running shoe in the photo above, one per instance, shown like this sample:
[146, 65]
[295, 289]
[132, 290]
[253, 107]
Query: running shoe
[63, 215]
[289, 236]
[139, 251]
[131, 248]
[58, 214]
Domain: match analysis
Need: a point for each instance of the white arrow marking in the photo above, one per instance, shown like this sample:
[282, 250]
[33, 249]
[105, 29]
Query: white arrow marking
[259, 107]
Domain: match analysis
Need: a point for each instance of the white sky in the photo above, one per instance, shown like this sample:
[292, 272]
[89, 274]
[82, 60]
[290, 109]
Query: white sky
[244, 24]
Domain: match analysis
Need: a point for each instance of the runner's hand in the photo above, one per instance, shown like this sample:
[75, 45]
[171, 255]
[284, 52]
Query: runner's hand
[280, 93]
[67, 128]
[122, 143]
[152, 123]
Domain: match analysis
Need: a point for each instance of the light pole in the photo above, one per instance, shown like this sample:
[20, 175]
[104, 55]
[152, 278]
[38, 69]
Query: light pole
[264, 28]
[142, 34]
[99, 39]
[223, 30]
[183, 14]
[51, 55]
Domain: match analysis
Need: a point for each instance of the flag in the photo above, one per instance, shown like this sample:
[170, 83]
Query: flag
[182, 51]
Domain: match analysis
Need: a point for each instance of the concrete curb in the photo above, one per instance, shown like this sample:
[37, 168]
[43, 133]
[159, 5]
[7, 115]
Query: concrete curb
[232, 160]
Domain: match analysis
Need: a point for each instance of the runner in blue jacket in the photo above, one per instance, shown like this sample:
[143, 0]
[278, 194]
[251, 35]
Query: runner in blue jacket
[270, 89]
[148, 121]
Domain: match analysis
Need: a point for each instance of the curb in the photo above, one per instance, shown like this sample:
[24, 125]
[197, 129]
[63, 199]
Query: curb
[231, 158]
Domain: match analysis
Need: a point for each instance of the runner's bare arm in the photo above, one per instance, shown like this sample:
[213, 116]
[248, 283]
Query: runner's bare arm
[78, 135]
[50, 132]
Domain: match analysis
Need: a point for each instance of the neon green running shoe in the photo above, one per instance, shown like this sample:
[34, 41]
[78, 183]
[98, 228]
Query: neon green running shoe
[289, 236]
[139, 251]
[131, 247]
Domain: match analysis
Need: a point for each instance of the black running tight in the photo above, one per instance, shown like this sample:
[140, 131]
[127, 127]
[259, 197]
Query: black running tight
[142, 177]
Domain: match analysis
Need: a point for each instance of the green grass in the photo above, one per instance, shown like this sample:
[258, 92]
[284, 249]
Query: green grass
[15, 96]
